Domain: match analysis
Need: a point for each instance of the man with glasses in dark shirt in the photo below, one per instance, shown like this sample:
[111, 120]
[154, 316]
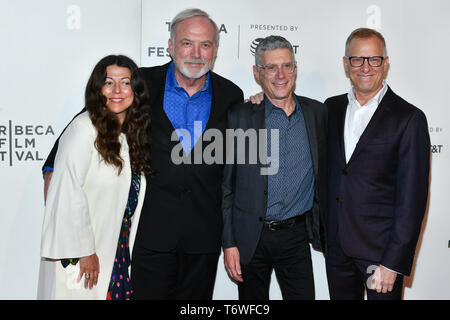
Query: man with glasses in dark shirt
[270, 216]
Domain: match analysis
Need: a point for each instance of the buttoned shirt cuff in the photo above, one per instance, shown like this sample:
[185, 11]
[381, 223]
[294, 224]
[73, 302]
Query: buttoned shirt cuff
[392, 270]
[46, 169]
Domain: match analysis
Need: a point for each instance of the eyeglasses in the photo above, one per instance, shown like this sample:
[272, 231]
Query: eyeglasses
[374, 61]
[272, 69]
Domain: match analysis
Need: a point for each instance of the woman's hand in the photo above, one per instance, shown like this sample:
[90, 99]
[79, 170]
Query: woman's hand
[89, 268]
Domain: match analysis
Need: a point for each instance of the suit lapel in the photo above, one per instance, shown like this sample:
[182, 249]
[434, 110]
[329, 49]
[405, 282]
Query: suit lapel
[375, 124]
[259, 115]
[156, 92]
[311, 128]
[341, 112]
[217, 108]
[258, 121]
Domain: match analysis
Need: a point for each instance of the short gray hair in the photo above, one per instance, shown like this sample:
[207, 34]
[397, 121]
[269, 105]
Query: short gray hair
[271, 43]
[189, 13]
[365, 33]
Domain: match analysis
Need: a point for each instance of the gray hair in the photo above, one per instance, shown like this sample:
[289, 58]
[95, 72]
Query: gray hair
[364, 33]
[271, 43]
[189, 13]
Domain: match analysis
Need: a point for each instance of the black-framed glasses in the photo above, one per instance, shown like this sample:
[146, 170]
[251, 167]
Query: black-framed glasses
[375, 61]
[272, 69]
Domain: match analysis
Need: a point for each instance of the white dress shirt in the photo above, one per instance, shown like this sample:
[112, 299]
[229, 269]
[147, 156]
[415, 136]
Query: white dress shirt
[357, 118]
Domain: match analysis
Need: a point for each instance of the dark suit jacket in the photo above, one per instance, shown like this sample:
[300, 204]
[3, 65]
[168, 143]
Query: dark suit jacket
[182, 206]
[377, 200]
[244, 189]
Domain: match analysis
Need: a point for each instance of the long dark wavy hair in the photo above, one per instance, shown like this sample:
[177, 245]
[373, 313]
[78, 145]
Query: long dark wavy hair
[137, 120]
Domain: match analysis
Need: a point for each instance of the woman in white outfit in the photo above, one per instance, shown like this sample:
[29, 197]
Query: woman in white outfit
[97, 189]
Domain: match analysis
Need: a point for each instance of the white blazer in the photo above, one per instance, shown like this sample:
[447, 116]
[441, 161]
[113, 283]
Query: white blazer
[85, 205]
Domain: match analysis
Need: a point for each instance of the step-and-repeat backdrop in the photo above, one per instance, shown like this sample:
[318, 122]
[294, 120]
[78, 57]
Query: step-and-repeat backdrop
[48, 49]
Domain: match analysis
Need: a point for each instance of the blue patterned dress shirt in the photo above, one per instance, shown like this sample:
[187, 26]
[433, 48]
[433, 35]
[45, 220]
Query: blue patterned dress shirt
[291, 190]
[185, 112]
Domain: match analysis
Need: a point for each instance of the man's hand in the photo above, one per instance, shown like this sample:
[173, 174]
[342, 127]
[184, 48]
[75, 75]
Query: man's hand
[47, 177]
[89, 268]
[257, 98]
[232, 263]
[383, 280]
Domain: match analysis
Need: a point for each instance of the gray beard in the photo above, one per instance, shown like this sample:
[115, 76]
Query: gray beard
[184, 71]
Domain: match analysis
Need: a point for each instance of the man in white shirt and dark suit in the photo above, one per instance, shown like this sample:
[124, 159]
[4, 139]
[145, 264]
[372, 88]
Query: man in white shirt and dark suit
[379, 161]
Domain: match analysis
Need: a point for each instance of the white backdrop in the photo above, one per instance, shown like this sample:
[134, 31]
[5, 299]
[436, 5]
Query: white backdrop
[49, 47]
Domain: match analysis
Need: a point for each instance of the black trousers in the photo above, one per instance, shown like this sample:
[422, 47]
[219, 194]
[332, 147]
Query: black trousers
[287, 252]
[347, 277]
[173, 275]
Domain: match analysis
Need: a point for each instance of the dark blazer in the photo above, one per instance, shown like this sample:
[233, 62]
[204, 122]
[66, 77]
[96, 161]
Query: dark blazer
[377, 200]
[244, 189]
[182, 206]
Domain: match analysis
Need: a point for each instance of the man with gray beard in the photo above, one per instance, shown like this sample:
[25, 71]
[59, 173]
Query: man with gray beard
[179, 235]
